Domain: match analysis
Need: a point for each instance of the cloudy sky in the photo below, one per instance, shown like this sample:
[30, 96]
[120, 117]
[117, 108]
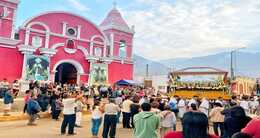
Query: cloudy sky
[171, 28]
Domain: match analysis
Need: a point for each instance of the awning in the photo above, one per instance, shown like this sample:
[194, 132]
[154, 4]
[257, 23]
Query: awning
[127, 82]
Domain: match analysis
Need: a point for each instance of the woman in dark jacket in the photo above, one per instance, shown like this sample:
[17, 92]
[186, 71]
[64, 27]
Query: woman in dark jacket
[134, 108]
[236, 121]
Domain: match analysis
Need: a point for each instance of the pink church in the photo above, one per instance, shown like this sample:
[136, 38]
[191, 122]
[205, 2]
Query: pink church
[64, 47]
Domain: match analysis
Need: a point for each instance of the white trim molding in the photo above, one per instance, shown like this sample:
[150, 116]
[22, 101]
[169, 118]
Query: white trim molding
[48, 51]
[112, 44]
[83, 50]
[13, 24]
[64, 28]
[123, 29]
[57, 45]
[46, 27]
[68, 13]
[70, 51]
[75, 63]
[14, 1]
[9, 41]
[26, 49]
[79, 31]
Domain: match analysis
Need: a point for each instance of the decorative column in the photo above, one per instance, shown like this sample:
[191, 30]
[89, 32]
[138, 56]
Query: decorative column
[64, 27]
[112, 45]
[25, 55]
[27, 36]
[91, 48]
[13, 25]
[47, 39]
[79, 31]
[105, 49]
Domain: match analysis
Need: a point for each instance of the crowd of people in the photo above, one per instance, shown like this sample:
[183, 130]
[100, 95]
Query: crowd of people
[148, 113]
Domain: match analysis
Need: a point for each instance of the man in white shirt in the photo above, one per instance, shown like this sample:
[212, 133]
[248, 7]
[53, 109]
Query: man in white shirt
[204, 106]
[245, 104]
[182, 108]
[126, 112]
[110, 119]
[193, 101]
[69, 105]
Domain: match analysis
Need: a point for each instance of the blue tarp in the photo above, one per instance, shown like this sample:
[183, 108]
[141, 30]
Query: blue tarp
[127, 82]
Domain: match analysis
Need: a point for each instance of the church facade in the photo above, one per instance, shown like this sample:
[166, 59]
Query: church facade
[64, 47]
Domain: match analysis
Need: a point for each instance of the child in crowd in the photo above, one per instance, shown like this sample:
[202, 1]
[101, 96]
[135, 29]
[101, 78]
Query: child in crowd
[58, 108]
[79, 109]
[96, 118]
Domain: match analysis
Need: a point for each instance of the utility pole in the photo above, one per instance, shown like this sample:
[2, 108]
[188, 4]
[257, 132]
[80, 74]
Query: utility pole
[232, 72]
[147, 70]
[231, 66]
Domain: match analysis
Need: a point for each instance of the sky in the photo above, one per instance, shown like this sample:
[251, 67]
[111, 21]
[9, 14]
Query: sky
[168, 29]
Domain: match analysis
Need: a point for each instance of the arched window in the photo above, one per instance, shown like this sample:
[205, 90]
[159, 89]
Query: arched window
[98, 51]
[70, 44]
[122, 49]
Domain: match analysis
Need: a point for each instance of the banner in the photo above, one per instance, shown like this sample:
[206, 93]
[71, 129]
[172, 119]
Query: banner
[98, 74]
[37, 68]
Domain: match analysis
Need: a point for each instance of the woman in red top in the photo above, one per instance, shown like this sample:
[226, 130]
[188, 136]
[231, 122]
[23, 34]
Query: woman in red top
[194, 125]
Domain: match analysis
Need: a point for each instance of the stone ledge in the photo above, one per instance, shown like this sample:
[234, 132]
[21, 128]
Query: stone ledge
[16, 117]
[21, 116]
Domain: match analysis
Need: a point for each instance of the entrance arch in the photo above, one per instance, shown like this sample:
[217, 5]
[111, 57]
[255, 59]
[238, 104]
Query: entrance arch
[67, 71]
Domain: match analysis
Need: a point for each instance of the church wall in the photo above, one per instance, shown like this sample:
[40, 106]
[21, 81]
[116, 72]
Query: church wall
[118, 71]
[11, 63]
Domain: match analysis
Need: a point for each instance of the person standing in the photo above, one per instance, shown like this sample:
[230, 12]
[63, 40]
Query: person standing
[194, 125]
[69, 114]
[54, 102]
[16, 87]
[126, 112]
[193, 101]
[58, 108]
[204, 106]
[245, 104]
[218, 119]
[96, 119]
[182, 108]
[168, 121]
[79, 109]
[135, 108]
[110, 119]
[236, 121]
[8, 101]
[146, 123]
[5, 84]
[33, 108]
[119, 101]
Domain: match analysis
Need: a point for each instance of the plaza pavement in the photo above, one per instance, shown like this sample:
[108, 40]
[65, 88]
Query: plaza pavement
[48, 128]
